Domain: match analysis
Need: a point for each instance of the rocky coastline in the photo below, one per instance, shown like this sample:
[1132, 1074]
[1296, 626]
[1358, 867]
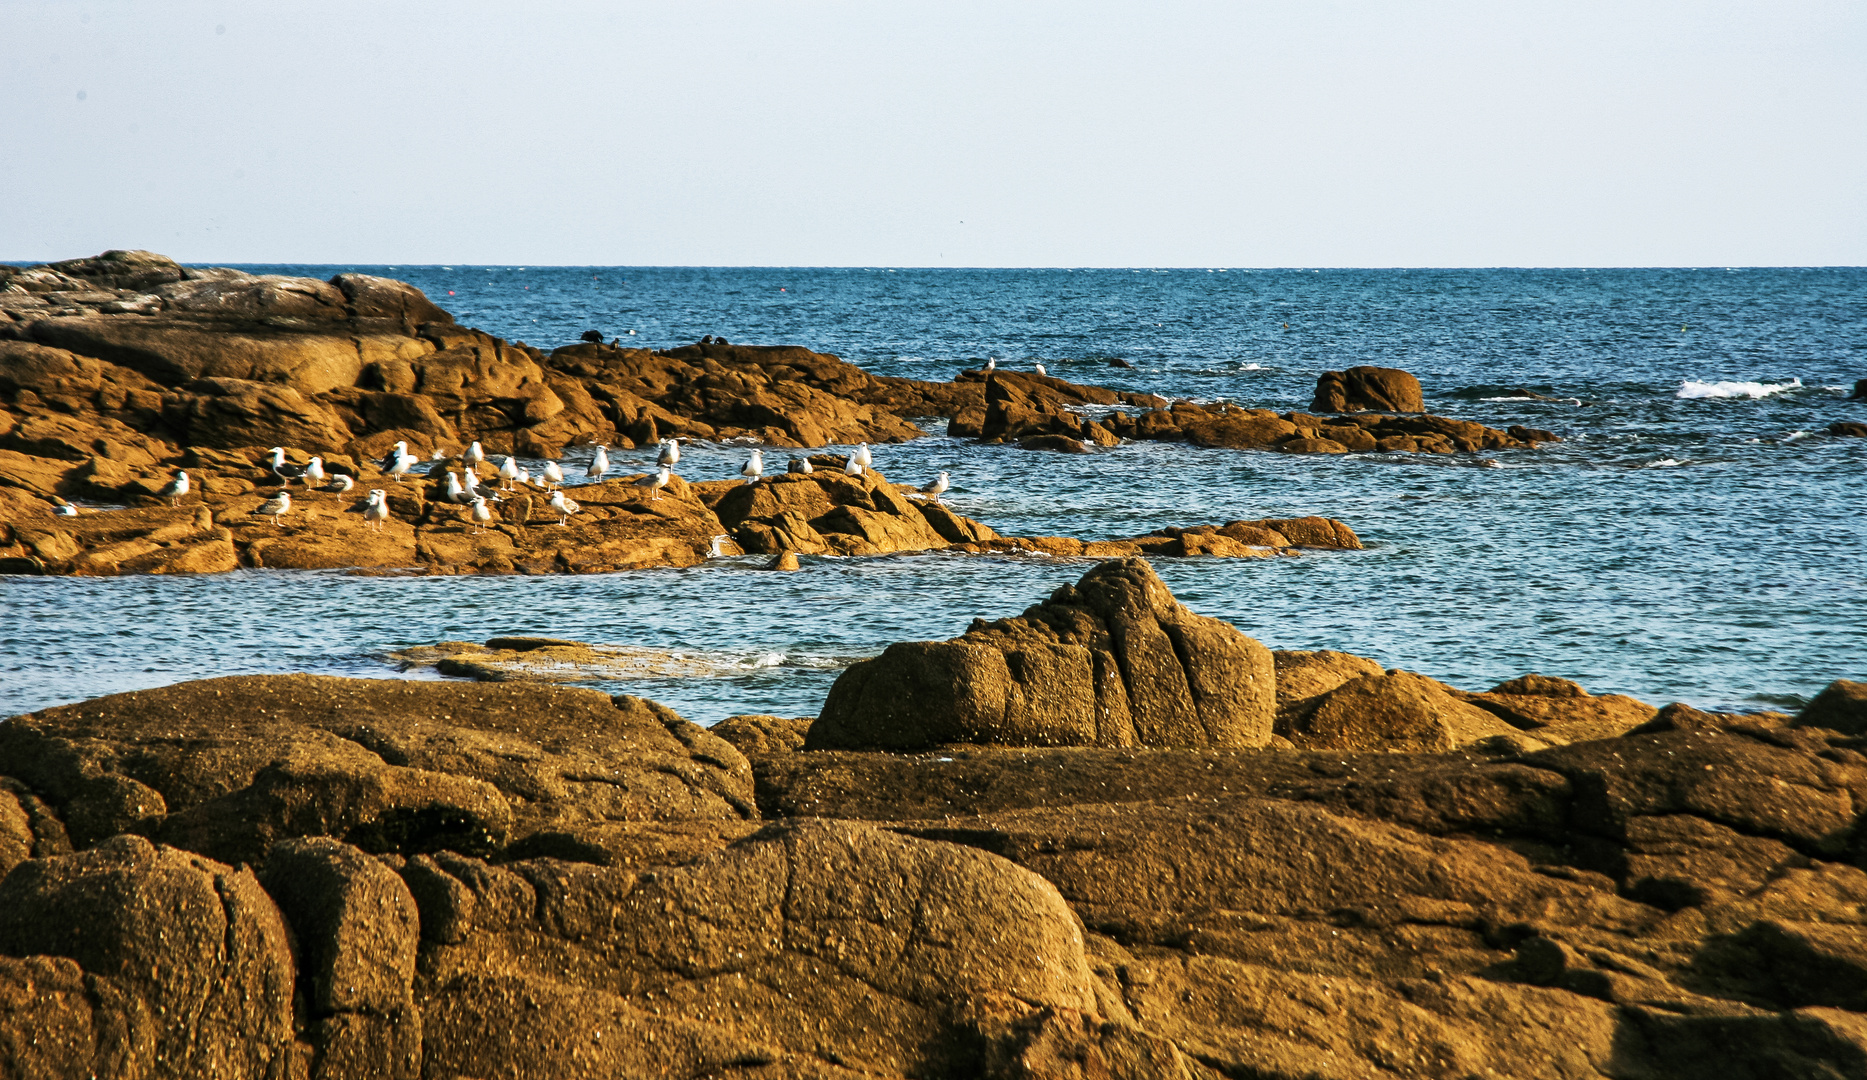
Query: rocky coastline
[120, 371]
[1102, 836]
[1206, 860]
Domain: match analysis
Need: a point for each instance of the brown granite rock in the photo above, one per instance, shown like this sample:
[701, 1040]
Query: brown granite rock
[230, 767]
[136, 960]
[1841, 706]
[1368, 388]
[1397, 710]
[1111, 661]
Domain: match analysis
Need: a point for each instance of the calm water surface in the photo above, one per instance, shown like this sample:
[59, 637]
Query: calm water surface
[1695, 538]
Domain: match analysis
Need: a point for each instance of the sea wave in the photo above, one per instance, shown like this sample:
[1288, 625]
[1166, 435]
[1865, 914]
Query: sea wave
[1752, 390]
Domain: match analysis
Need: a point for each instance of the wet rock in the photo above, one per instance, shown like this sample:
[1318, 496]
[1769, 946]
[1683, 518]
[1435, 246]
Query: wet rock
[137, 960]
[1851, 428]
[784, 560]
[1538, 702]
[1110, 661]
[1368, 388]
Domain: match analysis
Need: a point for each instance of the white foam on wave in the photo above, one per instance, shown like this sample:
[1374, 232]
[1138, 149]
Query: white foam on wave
[1663, 463]
[1752, 390]
[1252, 367]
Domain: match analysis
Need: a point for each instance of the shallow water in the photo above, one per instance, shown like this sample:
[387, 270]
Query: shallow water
[1695, 538]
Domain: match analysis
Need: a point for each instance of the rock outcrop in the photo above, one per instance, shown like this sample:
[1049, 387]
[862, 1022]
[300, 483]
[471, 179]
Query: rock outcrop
[1111, 661]
[653, 901]
[1362, 389]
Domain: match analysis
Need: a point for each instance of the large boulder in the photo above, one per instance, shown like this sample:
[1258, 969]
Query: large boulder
[1376, 389]
[132, 960]
[1113, 660]
[807, 937]
[230, 767]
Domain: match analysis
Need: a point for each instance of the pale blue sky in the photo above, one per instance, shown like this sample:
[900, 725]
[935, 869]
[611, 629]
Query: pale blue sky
[951, 134]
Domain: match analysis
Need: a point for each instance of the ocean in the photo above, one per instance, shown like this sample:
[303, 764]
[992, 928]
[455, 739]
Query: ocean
[1695, 537]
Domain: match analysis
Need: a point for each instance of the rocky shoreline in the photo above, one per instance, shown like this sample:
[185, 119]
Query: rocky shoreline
[118, 372]
[1207, 860]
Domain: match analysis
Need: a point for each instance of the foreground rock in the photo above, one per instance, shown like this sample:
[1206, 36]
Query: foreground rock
[1665, 904]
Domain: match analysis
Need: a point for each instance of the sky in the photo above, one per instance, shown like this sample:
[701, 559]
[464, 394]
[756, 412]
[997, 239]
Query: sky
[1005, 133]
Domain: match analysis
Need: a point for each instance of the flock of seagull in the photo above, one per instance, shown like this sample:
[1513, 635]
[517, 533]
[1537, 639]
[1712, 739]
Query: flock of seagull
[463, 488]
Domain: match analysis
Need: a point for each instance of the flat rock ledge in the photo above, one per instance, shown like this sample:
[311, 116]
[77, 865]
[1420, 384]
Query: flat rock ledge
[300, 876]
[217, 528]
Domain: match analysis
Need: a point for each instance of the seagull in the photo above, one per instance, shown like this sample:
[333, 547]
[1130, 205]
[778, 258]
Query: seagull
[314, 471]
[481, 515]
[1040, 370]
[509, 472]
[598, 464]
[275, 506]
[285, 471]
[65, 509]
[863, 455]
[474, 455]
[403, 463]
[455, 492]
[853, 467]
[340, 484]
[714, 550]
[388, 461]
[654, 482]
[376, 510]
[754, 467]
[471, 482]
[670, 454]
[800, 466]
[525, 476]
[563, 506]
[552, 474]
[990, 364]
[933, 490]
[438, 455]
[174, 490]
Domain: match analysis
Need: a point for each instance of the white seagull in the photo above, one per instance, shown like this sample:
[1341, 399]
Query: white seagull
[471, 482]
[474, 455]
[1040, 369]
[990, 364]
[800, 466]
[388, 460]
[509, 472]
[481, 515]
[285, 471]
[563, 506]
[863, 455]
[600, 463]
[65, 509]
[552, 474]
[402, 465]
[376, 510]
[175, 488]
[275, 506]
[438, 455]
[853, 467]
[314, 471]
[754, 467]
[933, 490]
[340, 484]
[670, 454]
[455, 493]
[654, 482]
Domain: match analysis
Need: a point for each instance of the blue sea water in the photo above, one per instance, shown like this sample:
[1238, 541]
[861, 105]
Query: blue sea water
[1695, 537]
